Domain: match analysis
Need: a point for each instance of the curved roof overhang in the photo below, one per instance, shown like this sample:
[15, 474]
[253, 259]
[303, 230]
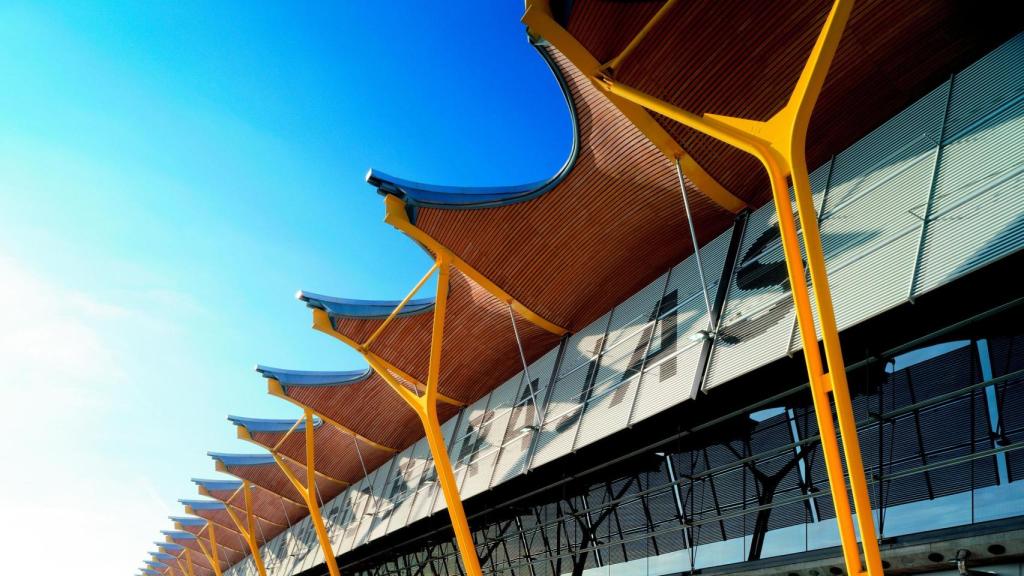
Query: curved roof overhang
[215, 512]
[567, 251]
[359, 403]
[567, 247]
[478, 340]
[230, 546]
[339, 457]
[272, 511]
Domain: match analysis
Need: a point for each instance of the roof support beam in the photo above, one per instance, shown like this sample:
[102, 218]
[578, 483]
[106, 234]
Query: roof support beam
[309, 493]
[188, 563]
[227, 502]
[212, 558]
[615, 63]
[397, 216]
[274, 388]
[425, 405]
[248, 529]
[780, 145]
[541, 23]
[244, 434]
[322, 322]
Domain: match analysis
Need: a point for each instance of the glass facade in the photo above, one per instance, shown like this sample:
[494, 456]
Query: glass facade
[939, 425]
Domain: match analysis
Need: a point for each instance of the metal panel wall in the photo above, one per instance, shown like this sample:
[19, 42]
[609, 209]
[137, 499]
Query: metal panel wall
[756, 321]
[516, 445]
[875, 201]
[563, 406]
[671, 362]
[608, 398]
[979, 191]
[405, 479]
[383, 482]
[490, 436]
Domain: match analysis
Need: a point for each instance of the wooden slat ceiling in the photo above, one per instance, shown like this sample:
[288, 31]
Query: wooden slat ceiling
[612, 225]
[741, 58]
[335, 452]
[369, 408]
[230, 543]
[478, 340]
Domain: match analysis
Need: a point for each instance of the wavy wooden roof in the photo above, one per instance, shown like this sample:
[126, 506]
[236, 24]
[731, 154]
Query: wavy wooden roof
[740, 59]
[342, 452]
[200, 565]
[571, 247]
[189, 536]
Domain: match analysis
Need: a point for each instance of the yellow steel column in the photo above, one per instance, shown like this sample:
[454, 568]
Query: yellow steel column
[779, 144]
[188, 562]
[248, 530]
[425, 406]
[427, 411]
[213, 558]
[309, 493]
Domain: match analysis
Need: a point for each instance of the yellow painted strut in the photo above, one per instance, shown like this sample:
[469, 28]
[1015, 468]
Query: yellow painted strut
[188, 562]
[780, 144]
[248, 529]
[425, 405]
[308, 491]
[212, 557]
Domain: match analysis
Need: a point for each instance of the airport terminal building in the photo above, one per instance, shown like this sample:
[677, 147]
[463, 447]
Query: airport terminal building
[616, 376]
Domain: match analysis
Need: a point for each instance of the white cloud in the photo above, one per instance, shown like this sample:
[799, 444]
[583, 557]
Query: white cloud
[61, 373]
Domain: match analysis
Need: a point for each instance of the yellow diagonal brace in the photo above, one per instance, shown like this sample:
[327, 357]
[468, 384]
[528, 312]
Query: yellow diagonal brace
[220, 467]
[243, 434]
[188, 562]
[615, 63]
[395, 214]
[309, 493]
[401, 305]
[542, 24]
[227, 501]
[425, 407]
[214, 560]
[248, 530]
[274, 388]
[780, 145]
[322, 322]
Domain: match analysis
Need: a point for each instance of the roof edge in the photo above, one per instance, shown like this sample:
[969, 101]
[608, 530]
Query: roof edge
[197, 504]
[311, 378]
[271, 424]
[241, 459]
[417, 194]
[363, 309]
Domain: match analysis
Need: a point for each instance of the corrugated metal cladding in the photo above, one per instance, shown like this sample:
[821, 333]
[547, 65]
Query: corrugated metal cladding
[932, 194]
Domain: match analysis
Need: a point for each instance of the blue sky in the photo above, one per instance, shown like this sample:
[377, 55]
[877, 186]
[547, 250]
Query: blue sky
[170, 175]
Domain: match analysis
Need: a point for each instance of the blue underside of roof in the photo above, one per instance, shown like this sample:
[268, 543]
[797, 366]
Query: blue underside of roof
[148, 571]
[203, 504]
[241, 459]
[178, 534]
[218, 484]
[156, 564]
[364, 309]
[188, 520]
[271, 424]
[416, 194]
[309, 378]
[161, 555]
[170, 546]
